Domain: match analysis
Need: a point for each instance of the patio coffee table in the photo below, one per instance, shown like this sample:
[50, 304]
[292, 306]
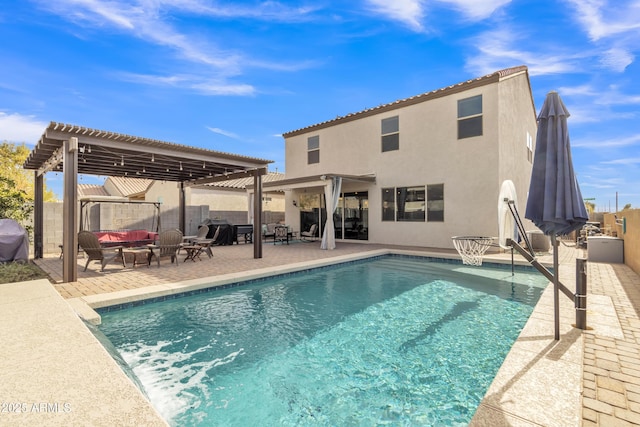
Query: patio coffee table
[136, 253]
[193, 252]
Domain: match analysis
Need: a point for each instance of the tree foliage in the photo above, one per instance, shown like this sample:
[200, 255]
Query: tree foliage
[627, 206]
[14, 202]
[591, 207]
[12, 158]
[17, 185]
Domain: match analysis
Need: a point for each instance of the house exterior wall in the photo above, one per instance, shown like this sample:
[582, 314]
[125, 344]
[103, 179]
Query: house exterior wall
[166, 192]
[517, 120]
[112, 189]
[227, 200]
[471, 169]
[233, 205]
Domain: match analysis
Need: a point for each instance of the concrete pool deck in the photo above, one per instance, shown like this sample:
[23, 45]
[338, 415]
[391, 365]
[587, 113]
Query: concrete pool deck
[588, 377]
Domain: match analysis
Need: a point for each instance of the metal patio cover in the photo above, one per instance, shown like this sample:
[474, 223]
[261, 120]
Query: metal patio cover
[114, 154]
[74, 150]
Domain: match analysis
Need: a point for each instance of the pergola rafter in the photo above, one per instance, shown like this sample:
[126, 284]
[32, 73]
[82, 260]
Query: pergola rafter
[74, 150]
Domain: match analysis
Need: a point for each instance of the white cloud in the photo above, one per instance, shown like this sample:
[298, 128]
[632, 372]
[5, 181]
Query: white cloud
[409, 12]
[582, 90]
[223, 132]
[19, 128]
[624, 161]
[613, 96]
[601, 18]
[599, 184]
[477, 10]
[609, 143]
[498, 49]
[143, 20]
[617, 59]
[151, 21]
[218, 87]
[616, 22]
[412, 12]
[266, 10]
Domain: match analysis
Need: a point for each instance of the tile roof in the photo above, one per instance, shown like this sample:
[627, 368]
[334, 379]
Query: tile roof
[438, 93]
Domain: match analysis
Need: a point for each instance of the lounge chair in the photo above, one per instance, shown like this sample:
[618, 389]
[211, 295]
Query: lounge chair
[201, 239]
[169, 243]
[91, 246]
[308, 236]
[268, 230]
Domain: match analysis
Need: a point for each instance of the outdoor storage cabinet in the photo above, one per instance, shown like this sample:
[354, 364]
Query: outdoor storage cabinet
[605, 249]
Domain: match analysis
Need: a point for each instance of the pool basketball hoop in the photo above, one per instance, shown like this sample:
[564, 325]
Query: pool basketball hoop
[472, 248]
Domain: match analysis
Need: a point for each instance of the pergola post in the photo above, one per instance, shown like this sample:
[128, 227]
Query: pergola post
[70, 211]
[38, 215]
[181, 209]
[257, 215]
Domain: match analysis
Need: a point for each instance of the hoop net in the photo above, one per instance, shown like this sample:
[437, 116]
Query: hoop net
[472, 248]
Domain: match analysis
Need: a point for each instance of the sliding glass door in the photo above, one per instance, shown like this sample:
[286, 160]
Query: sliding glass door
[351, 219]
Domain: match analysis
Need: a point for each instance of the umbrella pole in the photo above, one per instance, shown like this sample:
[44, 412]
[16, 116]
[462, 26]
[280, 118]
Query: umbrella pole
[556, 279]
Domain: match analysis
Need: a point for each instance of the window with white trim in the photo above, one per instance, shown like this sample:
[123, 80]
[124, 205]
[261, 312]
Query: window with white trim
[390, 134]
[470, 117]
[313, 149]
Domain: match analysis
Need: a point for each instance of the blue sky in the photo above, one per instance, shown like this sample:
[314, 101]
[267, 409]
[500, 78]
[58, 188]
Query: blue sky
[234, 76]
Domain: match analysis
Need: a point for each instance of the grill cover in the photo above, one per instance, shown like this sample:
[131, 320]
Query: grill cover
[14, 241]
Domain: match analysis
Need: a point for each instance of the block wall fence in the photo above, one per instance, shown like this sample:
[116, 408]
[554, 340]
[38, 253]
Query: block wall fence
[133, 216]
[630, 233]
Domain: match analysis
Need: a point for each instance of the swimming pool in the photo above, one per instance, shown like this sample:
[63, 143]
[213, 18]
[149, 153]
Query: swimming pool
[392, 340]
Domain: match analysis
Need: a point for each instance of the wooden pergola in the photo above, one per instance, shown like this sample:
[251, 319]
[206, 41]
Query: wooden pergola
[74, 150]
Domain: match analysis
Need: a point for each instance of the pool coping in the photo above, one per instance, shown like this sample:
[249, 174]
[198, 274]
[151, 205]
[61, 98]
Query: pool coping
[54, 370]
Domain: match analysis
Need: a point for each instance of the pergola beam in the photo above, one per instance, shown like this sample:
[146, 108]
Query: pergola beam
[226, 177]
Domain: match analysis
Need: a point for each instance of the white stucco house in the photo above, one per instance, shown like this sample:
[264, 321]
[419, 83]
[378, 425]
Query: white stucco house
[416, 171]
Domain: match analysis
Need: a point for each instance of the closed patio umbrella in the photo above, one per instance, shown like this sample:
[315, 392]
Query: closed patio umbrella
[555, 203]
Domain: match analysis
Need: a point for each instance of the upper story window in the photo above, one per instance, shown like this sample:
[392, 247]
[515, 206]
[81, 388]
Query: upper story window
[470, 117]
[313, 149]
[529, 148]
[390, 134]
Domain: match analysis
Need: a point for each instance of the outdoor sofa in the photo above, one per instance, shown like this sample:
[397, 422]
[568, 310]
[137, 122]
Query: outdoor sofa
[126, 238]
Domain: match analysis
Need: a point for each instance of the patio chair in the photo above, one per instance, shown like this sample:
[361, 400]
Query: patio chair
[281, 234]
[268, 230]
[91, 246]
[201, 239]
[308, 236]
[169, 243]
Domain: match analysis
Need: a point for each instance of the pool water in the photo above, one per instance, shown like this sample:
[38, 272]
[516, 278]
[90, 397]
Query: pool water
[394, 340]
